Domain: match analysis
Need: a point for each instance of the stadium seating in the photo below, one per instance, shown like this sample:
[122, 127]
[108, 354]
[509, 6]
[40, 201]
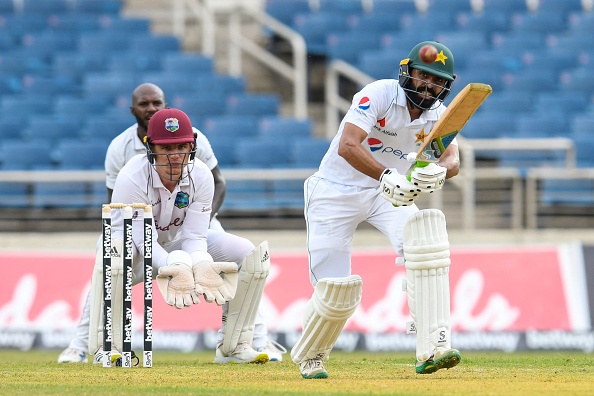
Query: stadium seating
[308, 153]
[52, 128]
[18, 155]
[261, 153]
[75, 154]
[284, 129]
[285, 10]
[60, 195]
[253, 104]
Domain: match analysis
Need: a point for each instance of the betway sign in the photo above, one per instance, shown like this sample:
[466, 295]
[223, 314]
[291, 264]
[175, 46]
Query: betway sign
[492, 290]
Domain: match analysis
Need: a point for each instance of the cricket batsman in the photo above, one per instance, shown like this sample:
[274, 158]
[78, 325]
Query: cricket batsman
[363, 178]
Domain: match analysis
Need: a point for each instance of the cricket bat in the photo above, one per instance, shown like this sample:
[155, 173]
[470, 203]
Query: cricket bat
[451, 123]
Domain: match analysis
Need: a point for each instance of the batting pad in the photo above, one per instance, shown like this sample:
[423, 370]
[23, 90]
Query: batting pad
[240, 316]
[96, 304]
[427, 254]
[333, 302]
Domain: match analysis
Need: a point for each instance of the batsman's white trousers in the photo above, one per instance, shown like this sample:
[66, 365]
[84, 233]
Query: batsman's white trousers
[332, 213]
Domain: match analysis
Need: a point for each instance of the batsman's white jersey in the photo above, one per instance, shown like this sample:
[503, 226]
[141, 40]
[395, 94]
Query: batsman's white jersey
[380, 110]
[127, 145]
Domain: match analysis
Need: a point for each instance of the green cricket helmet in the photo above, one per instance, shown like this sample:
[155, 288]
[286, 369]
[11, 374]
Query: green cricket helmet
[443, 67]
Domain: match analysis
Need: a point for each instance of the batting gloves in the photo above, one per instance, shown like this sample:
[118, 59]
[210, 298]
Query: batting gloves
[428, 178]
[397, 189]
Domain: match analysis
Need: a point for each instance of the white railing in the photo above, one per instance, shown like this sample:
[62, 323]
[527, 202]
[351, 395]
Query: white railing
[296, 73]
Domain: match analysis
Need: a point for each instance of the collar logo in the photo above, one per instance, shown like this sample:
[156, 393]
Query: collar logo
[171, 124]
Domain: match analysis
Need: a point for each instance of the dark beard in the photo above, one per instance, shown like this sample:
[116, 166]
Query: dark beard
[141, 123]
[420, 102]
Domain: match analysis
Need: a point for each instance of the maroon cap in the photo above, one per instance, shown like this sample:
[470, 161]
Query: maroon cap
[170, 126]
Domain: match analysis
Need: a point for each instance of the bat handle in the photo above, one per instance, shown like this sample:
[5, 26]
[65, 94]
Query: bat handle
[418, 164]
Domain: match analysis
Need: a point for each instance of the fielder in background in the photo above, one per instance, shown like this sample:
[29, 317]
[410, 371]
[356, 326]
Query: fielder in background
[147, 99]
[363, 177]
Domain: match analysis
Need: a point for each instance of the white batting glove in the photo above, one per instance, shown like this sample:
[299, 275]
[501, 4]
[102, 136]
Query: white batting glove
[176, 280]
[397, 189]
[428, 178]
[217, 281]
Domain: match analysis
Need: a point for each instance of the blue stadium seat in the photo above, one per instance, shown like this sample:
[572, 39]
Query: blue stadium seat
[515, 44]
[52, 128]
[567, 192]
[9, 41]
[127, 25]
[379, 63]
[542, 22]
[103, 42]
[284, 129]
[547, 124]
[74, 154]
[433, 22]
[503, 101]
[315, 27]
[60, 195]
[392, 7]
[463, 45]
[554, 58]
[25, 106]
[249, 153]
[99, 127]
[14, 195]
[6, 6]
[47, 44]
[348, 45]
[230, 128]
[486, 22]
[567, 102]
[110, 84]
[57, 84]
[135, 62]
[580, 124]
[200, 106]
[109, 7]
[222, 84]
[10, 127]
[19, 155]
[375, 22]
[563, 8]
[508, 6]
[187, 63]
[581, 22]
[10, 83]
[74, 23]
[97, 194]
[533, 80]
[288, 194]
[23, 23]
[160, 44]
[224, 150]
[403, 41]
[450, 6]
[248, 195]
[308, 153]
[46, 6]
[78, 63]
[172, 83]
[347, 7]
[490, 125]
[261, 104]
[285, 10]
[584, 150]
[21, 63]
[580, 79]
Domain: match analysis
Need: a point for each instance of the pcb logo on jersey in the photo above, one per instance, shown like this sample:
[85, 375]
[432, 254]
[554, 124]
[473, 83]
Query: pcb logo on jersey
[182, 200]
[172, 124]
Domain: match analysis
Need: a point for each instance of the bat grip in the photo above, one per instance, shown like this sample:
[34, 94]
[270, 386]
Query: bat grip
[418, 164]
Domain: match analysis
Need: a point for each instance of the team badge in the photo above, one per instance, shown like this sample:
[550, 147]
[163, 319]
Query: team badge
[182, 200]
[171, 124]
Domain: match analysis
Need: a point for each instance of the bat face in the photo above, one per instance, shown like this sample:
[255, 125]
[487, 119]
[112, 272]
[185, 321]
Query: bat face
[452, 121]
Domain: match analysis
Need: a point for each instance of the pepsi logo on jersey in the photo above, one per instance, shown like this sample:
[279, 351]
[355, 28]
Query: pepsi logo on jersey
[376, 145]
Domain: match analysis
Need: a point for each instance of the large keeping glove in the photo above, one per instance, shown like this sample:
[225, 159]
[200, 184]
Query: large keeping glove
[429, 177]
[217, 281]
[176, 280]
[397, 189]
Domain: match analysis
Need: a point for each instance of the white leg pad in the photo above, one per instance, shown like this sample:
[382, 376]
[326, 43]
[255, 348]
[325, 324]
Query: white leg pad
[96, 304]
[333, 302]
[427, 254]
[239, 314]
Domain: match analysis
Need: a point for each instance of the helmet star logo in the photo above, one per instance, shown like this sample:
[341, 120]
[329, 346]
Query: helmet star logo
[441, 57]
[420, 136]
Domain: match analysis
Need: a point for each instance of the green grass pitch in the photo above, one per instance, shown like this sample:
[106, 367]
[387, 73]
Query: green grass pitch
[359, 373]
